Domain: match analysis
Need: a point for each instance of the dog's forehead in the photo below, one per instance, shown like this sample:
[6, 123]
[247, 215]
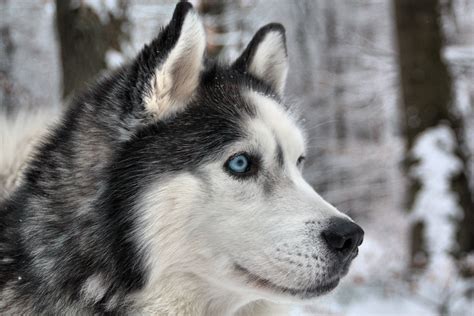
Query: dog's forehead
[277, 128]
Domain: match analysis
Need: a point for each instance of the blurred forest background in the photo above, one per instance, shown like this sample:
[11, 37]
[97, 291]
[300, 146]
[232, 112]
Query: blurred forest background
[386, 90]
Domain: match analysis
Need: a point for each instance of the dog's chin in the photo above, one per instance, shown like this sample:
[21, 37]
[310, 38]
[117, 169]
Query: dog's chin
[319, 287]
[271, 289]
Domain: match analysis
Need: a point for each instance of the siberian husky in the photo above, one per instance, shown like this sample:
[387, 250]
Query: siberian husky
[174, 186]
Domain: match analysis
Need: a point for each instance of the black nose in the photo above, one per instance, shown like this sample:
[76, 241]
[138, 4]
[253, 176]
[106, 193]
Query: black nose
[343, 236]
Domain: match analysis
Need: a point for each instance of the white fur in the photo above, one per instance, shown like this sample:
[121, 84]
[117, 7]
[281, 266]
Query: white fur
[197, 226]
[270, 61]
[94, 288]
[177, 78]
[180, 260]
[19, 134]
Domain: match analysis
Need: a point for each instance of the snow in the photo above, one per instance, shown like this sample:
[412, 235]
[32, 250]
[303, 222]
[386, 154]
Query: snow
[388, 305]
[114, 59]
[462, 54]
[436, 205]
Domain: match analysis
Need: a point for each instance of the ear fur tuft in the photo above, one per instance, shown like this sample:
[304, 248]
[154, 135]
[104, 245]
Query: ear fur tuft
[266, 57]
[177, 76]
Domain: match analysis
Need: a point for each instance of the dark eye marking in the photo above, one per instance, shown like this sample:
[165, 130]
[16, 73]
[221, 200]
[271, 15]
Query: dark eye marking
[300, 160]
[279, 155]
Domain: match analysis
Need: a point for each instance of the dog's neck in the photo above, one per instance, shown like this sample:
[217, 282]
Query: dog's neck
[187, 294]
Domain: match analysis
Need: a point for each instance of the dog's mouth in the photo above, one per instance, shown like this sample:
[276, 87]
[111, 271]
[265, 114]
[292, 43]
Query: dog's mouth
[303, 293]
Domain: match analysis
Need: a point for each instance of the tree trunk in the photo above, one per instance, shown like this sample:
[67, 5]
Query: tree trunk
[85, 37]
[427, 103]
[6, 58]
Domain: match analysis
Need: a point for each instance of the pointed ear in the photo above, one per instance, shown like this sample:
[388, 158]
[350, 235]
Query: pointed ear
[176, 76]
[266, 57]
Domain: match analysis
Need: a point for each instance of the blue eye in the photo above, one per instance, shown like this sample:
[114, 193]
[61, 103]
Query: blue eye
[239, 163]
[242, 165]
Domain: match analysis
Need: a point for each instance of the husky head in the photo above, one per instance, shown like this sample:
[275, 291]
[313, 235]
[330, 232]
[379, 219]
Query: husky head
[214, 180]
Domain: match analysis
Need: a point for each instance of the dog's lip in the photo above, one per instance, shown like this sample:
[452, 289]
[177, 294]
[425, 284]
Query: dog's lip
[302, 293]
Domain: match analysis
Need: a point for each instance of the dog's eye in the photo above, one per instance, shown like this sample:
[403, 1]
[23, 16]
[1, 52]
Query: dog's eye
[239, 164]
[300, 160]
[242, 165]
